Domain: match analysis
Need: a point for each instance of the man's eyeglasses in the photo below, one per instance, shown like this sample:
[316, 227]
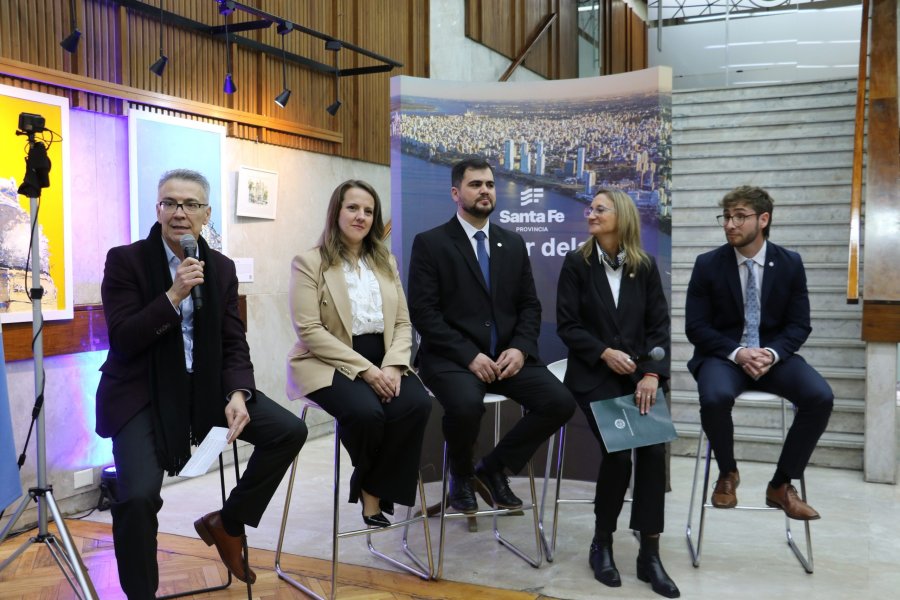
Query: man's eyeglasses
[738, 220]
[597, 210]
[190, 208]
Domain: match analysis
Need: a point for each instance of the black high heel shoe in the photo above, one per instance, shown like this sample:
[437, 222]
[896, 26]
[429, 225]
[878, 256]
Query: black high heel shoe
[376, 520]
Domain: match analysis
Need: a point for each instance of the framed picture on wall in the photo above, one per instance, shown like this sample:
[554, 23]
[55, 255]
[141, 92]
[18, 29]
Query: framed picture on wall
[159, 143]
[257, 193]
[17, 273]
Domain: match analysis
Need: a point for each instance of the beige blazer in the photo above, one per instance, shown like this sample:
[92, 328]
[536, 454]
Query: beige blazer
[320, 310]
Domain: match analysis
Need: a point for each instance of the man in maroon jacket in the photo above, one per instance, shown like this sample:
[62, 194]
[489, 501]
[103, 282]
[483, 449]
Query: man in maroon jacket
[177, 366]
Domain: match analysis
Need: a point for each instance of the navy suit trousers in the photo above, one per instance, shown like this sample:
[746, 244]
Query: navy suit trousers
[720, 381]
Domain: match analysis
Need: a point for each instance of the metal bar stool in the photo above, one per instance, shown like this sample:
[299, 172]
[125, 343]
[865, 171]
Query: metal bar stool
[558, 368]
[421, 569]
[246, 555]
[535, 561]
[805, 561]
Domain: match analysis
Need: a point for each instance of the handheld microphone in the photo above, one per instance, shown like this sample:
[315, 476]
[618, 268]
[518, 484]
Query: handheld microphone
[656, 353]
[189, 246]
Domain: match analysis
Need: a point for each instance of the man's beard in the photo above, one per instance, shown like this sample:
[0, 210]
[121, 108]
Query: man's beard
[477, 211]
[745, 240]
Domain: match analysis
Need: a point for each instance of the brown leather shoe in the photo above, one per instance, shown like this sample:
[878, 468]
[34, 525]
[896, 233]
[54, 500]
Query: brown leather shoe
[210, 529]
[725, 493]
[786, 498]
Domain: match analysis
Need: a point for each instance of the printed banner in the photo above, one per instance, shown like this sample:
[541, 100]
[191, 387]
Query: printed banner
[551, 144]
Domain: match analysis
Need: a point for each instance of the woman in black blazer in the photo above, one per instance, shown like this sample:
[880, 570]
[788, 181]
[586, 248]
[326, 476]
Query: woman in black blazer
[610, 309]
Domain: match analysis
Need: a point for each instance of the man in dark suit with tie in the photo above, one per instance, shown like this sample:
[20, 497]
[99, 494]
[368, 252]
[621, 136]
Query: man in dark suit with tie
[473, 302]
[176, 368]
[747, 314]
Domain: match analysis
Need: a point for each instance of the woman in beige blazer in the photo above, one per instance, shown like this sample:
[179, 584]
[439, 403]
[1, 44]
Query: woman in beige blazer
[352, 355]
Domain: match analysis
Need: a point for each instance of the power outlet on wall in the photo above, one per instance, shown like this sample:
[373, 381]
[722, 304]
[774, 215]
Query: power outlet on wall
[84, 478]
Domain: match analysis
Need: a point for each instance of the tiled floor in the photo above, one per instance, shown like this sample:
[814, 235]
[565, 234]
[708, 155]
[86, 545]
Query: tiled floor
[856, 543]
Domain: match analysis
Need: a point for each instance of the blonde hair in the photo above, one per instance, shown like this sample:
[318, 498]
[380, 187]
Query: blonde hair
[374, 250]
[628, 221]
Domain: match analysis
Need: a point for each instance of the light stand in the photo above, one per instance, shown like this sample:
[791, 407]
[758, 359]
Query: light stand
[68, 560]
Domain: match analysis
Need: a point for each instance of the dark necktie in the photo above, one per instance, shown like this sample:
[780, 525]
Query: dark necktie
[484, 262]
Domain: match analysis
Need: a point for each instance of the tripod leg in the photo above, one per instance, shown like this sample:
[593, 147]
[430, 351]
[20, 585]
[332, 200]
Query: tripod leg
[14, 518]
[19, 550]
[78, 568]
[62, 561]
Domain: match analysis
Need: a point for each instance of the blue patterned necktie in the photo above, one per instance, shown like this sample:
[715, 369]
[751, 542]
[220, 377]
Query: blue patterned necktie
[751, 309]
[484, 262]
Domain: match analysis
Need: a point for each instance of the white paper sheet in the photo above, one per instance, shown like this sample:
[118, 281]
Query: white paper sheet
[208, 451]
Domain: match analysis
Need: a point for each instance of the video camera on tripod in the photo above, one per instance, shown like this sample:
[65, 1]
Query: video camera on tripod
[30, 123]
[60, 545]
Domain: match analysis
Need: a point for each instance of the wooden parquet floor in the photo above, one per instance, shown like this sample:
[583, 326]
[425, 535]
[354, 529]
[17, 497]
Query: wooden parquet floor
[187, 563]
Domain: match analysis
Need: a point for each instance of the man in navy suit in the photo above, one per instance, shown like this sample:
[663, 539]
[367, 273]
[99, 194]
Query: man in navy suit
[747, 314]
[473, 302]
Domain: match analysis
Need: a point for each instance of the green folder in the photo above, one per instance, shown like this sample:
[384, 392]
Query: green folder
[622, 426]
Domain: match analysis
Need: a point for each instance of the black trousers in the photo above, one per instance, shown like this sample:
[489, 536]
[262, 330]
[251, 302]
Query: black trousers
[720, 381]
[383, 439]
[277, 435]
[548, 404]
[649, 494]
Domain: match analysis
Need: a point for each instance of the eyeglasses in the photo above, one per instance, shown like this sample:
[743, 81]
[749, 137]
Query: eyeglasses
[189, 208]
[738, 220]
[597, 210]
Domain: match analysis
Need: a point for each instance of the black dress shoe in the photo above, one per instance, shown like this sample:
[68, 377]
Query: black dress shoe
[376, 520]
[650, 569]
[462, 494]
[601, 561]
[494, 488]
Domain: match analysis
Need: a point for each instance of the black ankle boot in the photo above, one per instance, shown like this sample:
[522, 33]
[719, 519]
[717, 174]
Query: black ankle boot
[650, 569]
[601, 560]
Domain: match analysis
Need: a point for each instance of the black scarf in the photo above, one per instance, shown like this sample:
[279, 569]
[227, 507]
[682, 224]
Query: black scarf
[180, 418]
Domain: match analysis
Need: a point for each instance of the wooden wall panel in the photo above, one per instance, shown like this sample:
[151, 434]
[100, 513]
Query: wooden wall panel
[118, 45]
[881, 292]
[637, 53]
[506, 27]
[623, 38]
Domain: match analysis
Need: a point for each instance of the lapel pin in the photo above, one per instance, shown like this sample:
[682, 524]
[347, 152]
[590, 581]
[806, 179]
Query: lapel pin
[771, 264]
[499, 244]
[631, 275]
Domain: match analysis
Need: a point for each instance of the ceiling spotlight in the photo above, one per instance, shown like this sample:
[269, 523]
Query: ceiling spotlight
[159, 66]
[334, 107]
[70, 44]
[229, 87]
[226, 7]
[282, 98]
